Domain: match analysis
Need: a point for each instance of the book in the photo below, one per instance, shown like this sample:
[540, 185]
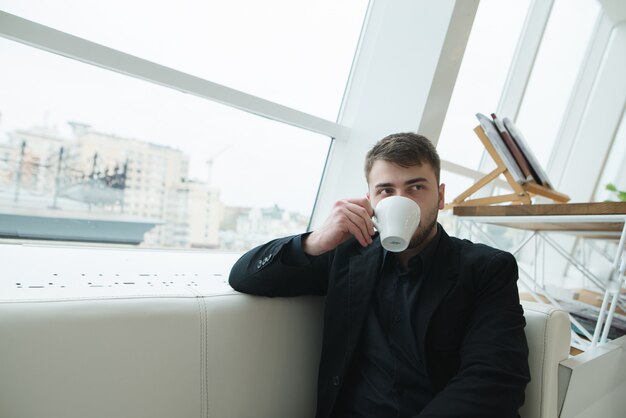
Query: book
[515, 150]
[517, 136]
[503, 152]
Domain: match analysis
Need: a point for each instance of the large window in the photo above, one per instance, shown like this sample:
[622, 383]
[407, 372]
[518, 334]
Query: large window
[481, 78]
[294, 52]
[557, 65]
[87, 154]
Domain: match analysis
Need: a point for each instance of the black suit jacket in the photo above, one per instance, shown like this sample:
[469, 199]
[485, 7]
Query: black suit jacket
[470, 325]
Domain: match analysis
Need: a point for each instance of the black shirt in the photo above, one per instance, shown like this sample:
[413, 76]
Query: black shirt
[387, 377]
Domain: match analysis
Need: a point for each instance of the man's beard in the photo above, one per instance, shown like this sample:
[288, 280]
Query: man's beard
[424, 229]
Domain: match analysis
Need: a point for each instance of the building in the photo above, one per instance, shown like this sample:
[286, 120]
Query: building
[248, 227]
[195, 212]
[98, 172]
[29, 160]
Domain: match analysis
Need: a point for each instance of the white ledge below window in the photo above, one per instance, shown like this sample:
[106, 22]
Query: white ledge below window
[61, 272]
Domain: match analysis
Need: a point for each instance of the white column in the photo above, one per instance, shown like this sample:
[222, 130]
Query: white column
[398, 72]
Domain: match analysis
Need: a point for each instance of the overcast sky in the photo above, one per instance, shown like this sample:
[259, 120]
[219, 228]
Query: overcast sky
[297, 53]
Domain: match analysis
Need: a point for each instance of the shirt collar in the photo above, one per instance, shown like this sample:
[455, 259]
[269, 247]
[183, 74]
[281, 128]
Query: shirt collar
[425, 256]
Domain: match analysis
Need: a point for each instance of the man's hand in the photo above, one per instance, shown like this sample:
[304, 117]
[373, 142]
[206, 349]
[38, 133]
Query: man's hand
[349, 217]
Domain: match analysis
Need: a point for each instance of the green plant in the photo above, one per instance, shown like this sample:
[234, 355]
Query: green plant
[620, 194]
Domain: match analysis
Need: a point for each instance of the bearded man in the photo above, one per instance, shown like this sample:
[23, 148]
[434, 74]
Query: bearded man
[436, 330]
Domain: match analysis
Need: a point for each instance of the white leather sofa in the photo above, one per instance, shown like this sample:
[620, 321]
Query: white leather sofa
[548, 334]
[187, 353]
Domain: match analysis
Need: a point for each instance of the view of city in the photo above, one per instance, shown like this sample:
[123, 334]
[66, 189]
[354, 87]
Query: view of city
[100, 187]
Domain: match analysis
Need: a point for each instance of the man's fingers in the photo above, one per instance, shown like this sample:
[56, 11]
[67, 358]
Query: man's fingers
[363, 203]
[353, 217]
[359, 225]
[365, 215]
[357, 233]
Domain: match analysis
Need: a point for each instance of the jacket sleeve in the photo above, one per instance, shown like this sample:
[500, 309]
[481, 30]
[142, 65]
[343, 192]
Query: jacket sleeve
[493, 357]
[281, 268]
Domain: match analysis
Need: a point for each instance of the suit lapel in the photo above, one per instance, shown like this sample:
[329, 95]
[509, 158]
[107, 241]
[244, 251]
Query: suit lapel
[439, 281]
[363, 272]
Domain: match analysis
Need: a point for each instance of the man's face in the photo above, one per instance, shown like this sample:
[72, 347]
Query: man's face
[418, 183]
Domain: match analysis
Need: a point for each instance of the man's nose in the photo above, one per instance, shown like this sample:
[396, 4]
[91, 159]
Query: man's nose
[400, 193]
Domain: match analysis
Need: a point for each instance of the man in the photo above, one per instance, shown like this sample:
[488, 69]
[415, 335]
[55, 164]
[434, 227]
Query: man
[434, 331]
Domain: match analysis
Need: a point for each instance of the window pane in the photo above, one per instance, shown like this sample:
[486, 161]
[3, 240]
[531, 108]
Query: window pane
[614, 171]
[554, 73]
[136, 155]
[455, 184]
[294, 52]
[481, 78]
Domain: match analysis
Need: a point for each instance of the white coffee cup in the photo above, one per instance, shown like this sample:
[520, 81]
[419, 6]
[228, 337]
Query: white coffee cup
[396, 218]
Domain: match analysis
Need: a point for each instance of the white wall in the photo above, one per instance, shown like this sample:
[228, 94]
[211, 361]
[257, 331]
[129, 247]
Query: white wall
[393, 79]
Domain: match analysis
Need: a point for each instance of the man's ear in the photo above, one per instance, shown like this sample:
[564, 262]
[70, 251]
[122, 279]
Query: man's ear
[442, 195]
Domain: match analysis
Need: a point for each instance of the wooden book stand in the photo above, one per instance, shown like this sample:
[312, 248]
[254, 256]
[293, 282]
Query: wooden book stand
[522, 192]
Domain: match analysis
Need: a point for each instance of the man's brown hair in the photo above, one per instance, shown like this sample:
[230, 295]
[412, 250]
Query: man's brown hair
[406, 149]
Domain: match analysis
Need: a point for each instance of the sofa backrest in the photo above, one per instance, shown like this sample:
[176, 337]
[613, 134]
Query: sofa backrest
[548, 334]
[220, 355]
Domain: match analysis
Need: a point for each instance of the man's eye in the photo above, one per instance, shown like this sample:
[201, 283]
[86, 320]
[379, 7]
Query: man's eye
[418, 187]
[385, 191]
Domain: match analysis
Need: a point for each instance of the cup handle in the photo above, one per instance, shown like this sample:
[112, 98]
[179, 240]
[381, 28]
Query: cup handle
[376, 225]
